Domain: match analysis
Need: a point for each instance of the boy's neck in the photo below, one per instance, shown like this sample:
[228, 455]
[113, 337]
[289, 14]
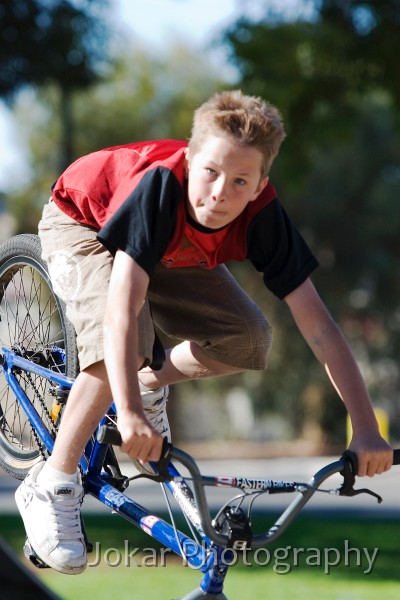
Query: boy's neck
[200, 227]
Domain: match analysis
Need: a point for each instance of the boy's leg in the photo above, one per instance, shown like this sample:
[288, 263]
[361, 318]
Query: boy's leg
[80, 269]
[185, 361]
[222, 329]
[50, 497]
[87, 403]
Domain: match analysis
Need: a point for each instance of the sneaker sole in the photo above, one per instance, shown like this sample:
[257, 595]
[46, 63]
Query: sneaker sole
[146, 469]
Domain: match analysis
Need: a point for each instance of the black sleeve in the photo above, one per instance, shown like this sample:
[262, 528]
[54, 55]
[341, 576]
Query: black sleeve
[143, 225]
[277, 249]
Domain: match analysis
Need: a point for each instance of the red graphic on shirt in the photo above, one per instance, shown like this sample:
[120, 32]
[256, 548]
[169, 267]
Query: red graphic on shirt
[186, 255]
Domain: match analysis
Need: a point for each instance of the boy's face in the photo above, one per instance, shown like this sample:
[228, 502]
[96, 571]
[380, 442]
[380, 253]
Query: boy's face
[223, 177]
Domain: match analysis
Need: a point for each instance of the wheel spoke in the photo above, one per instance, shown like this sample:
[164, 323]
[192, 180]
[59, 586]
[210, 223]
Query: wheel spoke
[30, 324]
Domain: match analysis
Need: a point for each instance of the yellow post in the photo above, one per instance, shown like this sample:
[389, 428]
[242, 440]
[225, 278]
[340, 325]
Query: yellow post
[383, 422]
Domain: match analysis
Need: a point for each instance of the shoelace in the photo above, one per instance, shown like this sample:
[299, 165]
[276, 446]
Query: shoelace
[157, 421]
[64, 515]
[155, 413]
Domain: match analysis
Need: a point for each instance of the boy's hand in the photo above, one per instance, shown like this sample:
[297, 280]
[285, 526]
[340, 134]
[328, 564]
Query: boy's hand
[374, 454]
[139, 439]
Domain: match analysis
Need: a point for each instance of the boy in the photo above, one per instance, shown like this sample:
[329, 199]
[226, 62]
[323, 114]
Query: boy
[152, 224]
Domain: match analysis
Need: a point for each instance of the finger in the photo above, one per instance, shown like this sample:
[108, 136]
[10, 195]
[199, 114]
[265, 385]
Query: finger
[151, 450]
[366, 465]
[131, 447]
[362, 468]
[385, 465]
[125, 447]
[372, 468]
[378, 466]
[379, 463]
[135, 445]
[389, 464]
[146, 449]
[155, 451]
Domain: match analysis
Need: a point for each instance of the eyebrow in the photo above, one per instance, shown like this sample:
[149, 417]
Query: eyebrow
[211, 163]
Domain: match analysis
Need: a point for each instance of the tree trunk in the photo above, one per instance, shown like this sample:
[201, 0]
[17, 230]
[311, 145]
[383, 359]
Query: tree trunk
[67, 128]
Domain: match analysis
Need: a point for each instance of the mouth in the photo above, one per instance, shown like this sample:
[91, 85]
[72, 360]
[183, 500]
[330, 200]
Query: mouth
[214, 211]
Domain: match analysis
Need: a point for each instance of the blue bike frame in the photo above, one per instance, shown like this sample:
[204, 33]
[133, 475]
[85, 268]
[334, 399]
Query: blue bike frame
[213, 561]
[213, 555]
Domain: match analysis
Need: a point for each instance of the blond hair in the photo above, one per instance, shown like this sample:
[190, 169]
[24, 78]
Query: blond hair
[248, 119]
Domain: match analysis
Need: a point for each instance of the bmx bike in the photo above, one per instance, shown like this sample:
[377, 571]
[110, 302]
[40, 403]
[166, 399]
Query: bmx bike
[39, 362]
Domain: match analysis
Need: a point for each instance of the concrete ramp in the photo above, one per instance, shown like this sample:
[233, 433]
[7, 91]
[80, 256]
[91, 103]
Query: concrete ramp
[17, 582]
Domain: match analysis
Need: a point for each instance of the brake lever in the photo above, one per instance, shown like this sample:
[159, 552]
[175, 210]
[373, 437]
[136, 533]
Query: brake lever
[348, 473]
[162, 466]
[110, 435]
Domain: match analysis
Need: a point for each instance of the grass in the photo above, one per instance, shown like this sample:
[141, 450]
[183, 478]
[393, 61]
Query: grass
[299, 565]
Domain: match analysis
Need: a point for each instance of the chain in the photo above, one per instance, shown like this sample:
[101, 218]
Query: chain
[53, 430]
[39, 443]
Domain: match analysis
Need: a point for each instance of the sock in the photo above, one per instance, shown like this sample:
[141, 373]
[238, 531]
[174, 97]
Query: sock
[144, 388]
[146, 391]
[50, 475]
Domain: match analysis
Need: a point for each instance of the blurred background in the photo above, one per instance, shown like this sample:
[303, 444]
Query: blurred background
[80, 75]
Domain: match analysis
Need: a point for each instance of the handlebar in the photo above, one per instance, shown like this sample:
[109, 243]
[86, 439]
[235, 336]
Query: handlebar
[346, 466]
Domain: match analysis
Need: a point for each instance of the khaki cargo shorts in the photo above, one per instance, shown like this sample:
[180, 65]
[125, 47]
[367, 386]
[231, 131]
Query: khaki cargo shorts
[204, 306]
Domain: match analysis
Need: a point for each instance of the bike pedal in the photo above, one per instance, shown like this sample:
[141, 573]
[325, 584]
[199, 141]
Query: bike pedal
[31, 555]
[88, 543]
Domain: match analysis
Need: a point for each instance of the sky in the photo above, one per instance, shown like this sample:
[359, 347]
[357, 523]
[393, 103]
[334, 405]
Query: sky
[194, 21]
[152, 23]
[159, 22]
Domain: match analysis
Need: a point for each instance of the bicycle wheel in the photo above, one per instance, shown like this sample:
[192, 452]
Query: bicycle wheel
[34, 325]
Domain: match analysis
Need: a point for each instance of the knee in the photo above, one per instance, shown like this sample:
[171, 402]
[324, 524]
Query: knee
[258, 337]
[95, 369]
[245, 347]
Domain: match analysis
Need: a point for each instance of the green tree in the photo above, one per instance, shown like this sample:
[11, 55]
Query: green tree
[142, 97]
[319, 71]
[334, 79]
[61, 42]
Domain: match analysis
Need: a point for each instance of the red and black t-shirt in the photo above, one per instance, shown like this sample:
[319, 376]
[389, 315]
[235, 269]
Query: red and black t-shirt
[134, 195]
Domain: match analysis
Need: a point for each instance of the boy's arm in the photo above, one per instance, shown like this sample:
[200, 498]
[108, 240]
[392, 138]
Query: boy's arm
[127, 291]
[329, 346]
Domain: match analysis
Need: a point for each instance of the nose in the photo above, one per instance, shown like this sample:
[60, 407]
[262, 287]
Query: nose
[219, 191]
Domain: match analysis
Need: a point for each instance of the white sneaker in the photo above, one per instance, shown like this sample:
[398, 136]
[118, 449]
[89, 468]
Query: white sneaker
[155, 410]
[51, 516]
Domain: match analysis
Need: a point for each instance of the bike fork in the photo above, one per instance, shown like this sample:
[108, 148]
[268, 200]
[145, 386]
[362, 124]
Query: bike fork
[213, 580]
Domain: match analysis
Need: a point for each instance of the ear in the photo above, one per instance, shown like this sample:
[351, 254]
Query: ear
[186, 164]
[261, 186]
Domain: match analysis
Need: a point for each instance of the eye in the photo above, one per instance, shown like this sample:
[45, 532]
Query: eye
[210, 171]
[240, 181]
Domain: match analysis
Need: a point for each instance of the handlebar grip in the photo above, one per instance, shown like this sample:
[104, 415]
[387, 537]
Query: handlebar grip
[352, 457]
[109, 435]
[396, 457]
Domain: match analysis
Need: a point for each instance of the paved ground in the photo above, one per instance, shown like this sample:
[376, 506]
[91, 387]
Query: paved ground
[292, 469]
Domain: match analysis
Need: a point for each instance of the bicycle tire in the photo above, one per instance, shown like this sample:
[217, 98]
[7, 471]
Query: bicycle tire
[33, 323]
